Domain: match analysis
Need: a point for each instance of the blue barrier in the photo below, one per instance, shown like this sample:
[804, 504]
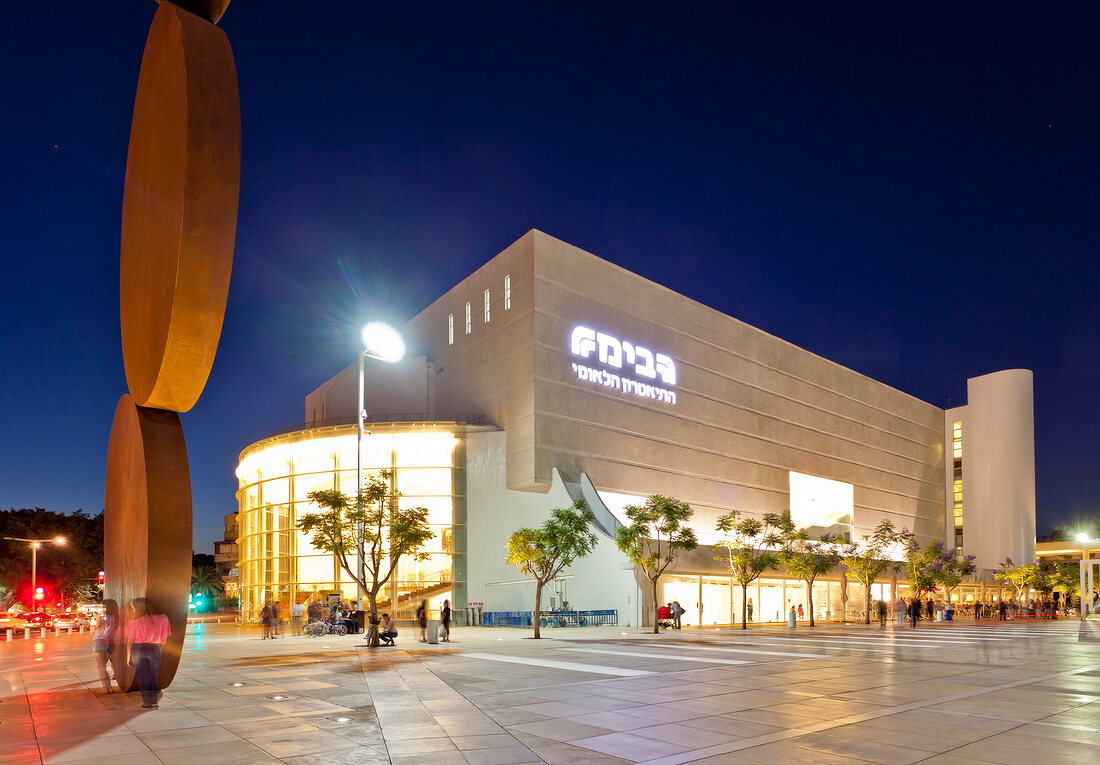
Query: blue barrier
[506, 619]
[604, 618]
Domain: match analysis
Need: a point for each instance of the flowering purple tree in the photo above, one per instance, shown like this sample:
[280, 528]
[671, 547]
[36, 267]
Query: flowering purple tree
[949, 567]
[806, 559]
[866, 561]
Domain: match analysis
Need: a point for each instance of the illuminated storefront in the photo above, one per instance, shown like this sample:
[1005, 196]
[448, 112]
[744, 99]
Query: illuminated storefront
[277, 561]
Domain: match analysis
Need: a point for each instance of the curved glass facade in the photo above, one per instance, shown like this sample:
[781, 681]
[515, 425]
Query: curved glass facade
[279, 564]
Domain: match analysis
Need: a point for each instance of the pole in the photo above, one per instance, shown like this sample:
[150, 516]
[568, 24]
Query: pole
[359, 486]
[34, 575]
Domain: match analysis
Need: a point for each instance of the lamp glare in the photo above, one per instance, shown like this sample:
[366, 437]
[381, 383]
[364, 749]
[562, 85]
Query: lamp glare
[1082, 537]
[383, 342]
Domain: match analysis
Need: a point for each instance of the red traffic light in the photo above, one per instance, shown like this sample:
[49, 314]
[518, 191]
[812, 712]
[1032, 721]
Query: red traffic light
[38, 594]
[101, 577]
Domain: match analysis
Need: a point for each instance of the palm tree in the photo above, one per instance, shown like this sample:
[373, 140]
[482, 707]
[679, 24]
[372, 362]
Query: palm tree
[207, 580]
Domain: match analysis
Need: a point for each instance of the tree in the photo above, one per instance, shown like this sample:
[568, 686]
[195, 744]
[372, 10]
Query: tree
[867, 561]
[806, 559]
[918, 564]
[65, 568]
[374, 525]
[747, 546]
[207, 581]
[949, 567]
[547, 551]
[1019, 577]
[657, 530]
[1066, 575]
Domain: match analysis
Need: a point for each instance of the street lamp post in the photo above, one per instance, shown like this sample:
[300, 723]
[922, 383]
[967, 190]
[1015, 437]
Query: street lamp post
[382, 343]
[34, 558]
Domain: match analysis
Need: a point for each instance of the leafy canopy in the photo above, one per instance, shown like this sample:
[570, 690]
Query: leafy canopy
[374, 524]
[657, 530]
[867, 561]
[564, 538]
[747, 545]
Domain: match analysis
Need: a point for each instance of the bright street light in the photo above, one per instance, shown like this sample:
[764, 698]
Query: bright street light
[1082, 537]
[35, 544]
[383, 343]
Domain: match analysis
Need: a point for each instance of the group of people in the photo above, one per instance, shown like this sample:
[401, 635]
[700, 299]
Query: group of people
[140, 646]
[342, 612]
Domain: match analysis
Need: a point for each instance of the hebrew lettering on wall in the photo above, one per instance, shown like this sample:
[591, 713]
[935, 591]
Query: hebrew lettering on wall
[621, 354]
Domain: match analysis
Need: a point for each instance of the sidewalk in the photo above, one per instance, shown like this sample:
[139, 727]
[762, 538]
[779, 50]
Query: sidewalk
[941, 695]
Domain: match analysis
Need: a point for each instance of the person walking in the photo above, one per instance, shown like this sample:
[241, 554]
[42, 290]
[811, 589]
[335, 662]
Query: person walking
[801, 614]
[1002, 609]
[748, 607]
[265, 620]
[914, 610]
[422, 620]
[445, 617]
[899, 610]
[146, 635]
[881, 606]
[296, 612]
[274, 619]
[929, 609]
[105, 641]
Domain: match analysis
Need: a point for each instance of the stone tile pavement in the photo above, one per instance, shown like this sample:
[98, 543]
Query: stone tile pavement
[943, 693]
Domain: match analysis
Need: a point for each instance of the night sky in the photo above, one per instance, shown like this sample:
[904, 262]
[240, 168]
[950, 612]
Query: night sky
[910, 190]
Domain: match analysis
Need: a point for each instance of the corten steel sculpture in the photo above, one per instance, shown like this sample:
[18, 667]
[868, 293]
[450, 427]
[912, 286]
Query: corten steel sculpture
[179, 219]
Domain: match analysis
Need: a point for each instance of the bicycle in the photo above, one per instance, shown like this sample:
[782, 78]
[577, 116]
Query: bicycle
[316, 629]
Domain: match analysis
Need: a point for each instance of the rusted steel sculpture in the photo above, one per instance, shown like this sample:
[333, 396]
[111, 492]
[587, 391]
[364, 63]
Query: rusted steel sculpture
[179, 219]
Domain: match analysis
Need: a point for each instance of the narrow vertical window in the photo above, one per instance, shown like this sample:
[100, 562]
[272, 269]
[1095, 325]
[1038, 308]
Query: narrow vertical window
[486, 306]
[450, 329]
[469, 319]
[507, 292]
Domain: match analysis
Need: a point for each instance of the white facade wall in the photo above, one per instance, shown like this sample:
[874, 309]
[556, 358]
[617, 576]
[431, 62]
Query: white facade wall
[999, 468]
[603, 580]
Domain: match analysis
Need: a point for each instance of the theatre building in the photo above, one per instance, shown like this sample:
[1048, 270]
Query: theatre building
[549, 375]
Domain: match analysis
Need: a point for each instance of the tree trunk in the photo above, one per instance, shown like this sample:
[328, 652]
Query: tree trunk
[656, 626]
[744, 605]
[810, 599]
[538, 606]
[372, 604]
[867, 615]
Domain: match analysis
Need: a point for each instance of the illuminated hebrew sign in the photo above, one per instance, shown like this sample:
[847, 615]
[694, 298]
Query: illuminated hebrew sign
[626, 356]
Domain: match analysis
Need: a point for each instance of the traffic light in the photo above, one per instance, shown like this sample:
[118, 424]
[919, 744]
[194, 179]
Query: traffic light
[39, 594]
[101, 577]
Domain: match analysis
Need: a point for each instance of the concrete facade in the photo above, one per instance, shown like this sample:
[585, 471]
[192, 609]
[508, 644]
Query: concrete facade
[749, 407]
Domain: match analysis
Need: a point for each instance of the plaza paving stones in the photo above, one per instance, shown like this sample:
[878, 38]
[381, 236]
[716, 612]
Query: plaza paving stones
[944, 694]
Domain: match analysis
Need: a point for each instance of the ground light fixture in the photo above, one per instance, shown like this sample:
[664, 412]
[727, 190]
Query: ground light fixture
[237, 685]
[278, 697]
[382, 343]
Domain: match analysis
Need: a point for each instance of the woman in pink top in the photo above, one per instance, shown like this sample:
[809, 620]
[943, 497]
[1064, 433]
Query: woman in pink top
[146, 634]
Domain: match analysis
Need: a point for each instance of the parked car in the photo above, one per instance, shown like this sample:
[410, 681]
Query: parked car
[66, 621]
[39, 619]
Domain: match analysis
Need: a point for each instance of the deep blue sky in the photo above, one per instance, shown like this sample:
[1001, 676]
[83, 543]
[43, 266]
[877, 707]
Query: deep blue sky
[908, 189]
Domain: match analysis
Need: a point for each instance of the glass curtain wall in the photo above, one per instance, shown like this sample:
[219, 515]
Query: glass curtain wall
[279, 564]
[769, 598]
